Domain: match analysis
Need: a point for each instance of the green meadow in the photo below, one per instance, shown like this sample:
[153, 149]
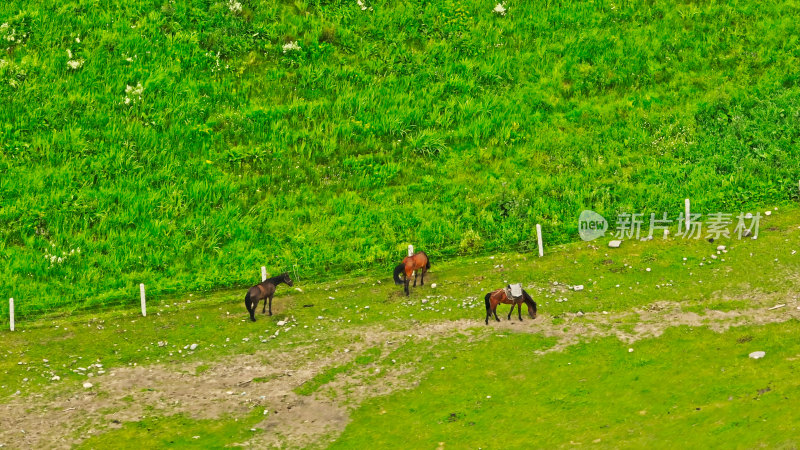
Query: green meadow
[637, 358]
[186, 144]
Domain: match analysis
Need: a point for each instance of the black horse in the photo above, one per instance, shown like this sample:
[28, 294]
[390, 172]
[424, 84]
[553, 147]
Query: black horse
[263, 291]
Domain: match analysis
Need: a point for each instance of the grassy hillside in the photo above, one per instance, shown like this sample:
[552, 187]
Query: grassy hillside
[185, 144]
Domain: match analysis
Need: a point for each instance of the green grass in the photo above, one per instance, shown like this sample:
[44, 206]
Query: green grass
[688, 388]
[439, 124]
[176, 431]
[548, 400]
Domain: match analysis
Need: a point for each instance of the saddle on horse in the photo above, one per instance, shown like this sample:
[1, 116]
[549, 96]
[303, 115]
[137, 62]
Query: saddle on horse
[513, 291]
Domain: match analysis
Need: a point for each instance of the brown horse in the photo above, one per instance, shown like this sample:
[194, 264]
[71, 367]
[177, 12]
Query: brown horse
[494, 298]
[263, 291]
[410, 265]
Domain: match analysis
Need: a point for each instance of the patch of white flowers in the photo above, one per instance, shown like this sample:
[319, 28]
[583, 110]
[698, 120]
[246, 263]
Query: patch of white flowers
[133, 91]
[3, 63]
[74, 64]
[217, 66]
[291, 47]
[500, 9]
[234, 6]
[10, 34]
[56, 259]
[361, 5]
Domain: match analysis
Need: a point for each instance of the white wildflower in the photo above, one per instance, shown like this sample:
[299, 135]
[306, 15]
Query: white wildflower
[3, 63]
[69, 53]
[362, 5]
[75, 64]
[234, 6]
[291, 46]
[78, 39]
[500, 9]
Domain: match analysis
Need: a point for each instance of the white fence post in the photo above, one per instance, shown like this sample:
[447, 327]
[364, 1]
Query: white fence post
[410, 250]
[263, 273]
[144, 306]
[539, 239]
[688, 214]
[11, 312]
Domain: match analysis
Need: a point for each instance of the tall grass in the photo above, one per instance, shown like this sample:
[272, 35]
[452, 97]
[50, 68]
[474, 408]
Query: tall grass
[186, 148]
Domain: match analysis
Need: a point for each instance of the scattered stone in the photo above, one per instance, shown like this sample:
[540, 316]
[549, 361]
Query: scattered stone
[767, 213]
[193, 346]
[615, 243]
[757, 355]
[281, 323]
[721, 248]
[579, 314]
[648, 269]
[87, 385]
[55, 378]
[748, 216]
[424, 300]
[433, 286]
[713, 256]
[577, 287]
[630, 350]
[778, 306]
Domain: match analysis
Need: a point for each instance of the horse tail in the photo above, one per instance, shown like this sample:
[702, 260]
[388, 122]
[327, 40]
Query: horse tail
[247, 301]
[427, 263]
[397, 271]
[488, 302]
[529, 301]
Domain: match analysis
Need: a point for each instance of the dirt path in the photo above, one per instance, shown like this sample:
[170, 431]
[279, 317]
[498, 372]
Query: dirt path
[231, 386]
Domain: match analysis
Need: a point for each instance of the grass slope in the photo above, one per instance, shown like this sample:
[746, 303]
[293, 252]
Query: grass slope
[178, 144]
[648, 397]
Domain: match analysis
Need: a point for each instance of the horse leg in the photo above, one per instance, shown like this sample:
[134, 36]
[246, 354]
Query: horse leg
[249, 311]
[263, 310]
[422, 277]
[415, 278]
[512, 310]
[270, 304]
[494, 310]
[252, 310]
[519, 311]
[407, 281]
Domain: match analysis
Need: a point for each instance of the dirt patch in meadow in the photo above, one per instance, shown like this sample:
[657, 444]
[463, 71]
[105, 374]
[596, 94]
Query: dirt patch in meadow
[266, 380]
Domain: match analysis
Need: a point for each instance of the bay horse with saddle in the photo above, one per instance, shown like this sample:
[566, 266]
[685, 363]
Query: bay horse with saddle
[410, 266]
[512, 295]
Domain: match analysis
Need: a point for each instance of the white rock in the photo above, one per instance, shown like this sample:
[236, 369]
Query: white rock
[281, 323]
[577, 287]
[433, 286]
[193, 346]
[767, 213]
[320, 317]
[748, 216]
[721, 248]
[87, 385]
[630, 350]
[757, 355]
[713, 256]
[615, 243]
[579, 314]
[648, 269]
[55, 378]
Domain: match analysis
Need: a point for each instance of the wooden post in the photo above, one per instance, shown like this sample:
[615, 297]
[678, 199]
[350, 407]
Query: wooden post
[263, 273]
[144, 305]
[11, 312]
[410, 250]
[687, 213]
[539, 239]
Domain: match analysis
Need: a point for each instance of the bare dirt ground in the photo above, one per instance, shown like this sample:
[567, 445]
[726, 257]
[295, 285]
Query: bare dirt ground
[236, 385]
